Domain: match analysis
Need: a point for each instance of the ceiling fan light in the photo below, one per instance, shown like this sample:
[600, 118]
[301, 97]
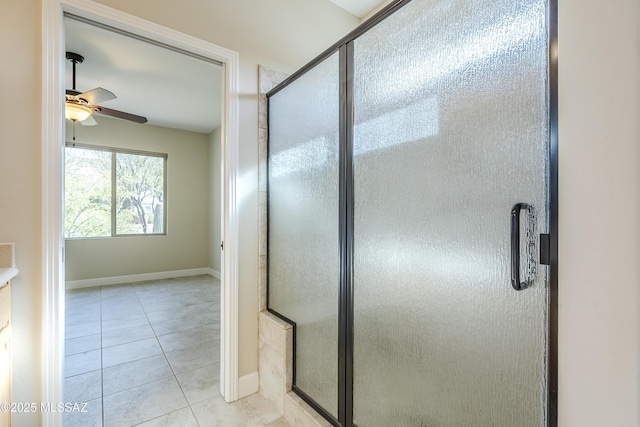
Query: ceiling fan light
[76, 112]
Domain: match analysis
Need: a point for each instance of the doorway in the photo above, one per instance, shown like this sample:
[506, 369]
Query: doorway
[142, 229]
[53, 131]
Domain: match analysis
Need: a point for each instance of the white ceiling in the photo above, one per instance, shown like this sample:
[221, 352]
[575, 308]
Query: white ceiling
[168, 88]
[359, 8]
[171, 89]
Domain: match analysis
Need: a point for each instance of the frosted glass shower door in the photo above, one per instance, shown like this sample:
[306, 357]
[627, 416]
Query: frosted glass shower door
[303, 224]
[451, 123]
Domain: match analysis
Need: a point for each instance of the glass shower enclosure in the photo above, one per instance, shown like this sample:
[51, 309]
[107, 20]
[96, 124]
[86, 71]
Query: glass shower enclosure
[411, 181]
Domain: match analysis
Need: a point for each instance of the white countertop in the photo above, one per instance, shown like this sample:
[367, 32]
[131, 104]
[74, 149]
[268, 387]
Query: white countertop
[7, 274]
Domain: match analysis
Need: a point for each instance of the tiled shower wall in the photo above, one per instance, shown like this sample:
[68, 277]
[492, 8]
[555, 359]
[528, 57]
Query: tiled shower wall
[267, 80]
[275, 336]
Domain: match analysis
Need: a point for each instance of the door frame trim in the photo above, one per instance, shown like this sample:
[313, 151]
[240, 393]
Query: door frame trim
[53, 90]
[552, 90]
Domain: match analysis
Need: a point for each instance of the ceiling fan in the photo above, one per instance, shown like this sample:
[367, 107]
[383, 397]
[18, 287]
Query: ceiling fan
[80, 106]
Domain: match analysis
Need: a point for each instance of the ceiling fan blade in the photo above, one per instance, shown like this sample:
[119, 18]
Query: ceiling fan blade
[120, 114]
[89, 121]
[97, 95]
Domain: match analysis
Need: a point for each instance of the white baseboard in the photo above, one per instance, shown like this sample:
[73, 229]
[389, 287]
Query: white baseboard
[132, 278]
[214, 273]
[248, 384]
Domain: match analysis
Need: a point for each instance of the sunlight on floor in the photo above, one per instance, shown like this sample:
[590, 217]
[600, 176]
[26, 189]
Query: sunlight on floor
[147, 354]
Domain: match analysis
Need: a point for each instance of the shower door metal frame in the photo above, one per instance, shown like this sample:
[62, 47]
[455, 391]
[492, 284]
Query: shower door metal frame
[346, 221]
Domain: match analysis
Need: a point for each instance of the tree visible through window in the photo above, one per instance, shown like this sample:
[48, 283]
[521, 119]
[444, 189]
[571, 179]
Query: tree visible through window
[111, 192]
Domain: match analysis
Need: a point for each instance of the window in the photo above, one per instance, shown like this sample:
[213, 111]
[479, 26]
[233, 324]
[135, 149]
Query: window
[114, 192]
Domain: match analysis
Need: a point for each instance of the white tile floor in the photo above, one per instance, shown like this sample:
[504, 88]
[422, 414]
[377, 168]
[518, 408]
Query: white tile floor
[147, 354]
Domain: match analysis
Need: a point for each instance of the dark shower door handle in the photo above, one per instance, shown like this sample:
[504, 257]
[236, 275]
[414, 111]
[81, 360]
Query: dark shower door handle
[515, 247]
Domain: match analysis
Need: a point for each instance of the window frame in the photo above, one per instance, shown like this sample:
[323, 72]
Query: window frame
[114, 183]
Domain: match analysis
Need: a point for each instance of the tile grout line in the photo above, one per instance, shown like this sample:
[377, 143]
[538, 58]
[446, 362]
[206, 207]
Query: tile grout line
[164, 354]
[173, 371]
[102, 297]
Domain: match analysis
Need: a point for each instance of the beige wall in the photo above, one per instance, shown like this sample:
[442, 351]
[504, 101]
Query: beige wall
[186, 244]
[600, 198]
[599, 275]
[20, 183]
[215, 201]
